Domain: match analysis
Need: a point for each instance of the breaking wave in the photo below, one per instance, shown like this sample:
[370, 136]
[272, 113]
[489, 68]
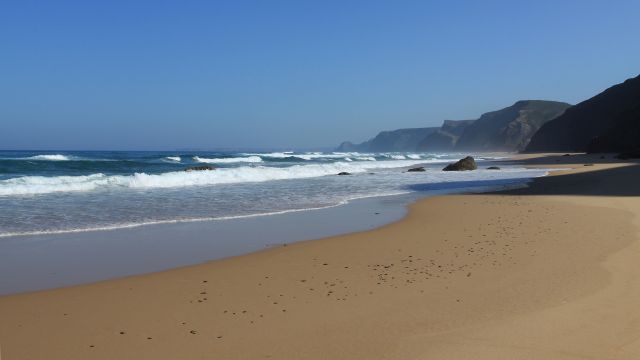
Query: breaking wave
[30, 185]
[248, 159]
[52, 157]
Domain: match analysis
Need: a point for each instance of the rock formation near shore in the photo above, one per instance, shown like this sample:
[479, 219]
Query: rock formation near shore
[199, 168]
[468, 163]
[607, 122]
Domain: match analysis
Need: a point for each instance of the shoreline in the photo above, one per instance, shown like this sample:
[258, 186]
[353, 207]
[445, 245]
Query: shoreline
[56, 260]
[492, 275]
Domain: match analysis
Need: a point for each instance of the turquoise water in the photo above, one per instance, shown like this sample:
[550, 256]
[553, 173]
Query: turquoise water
[69, 191]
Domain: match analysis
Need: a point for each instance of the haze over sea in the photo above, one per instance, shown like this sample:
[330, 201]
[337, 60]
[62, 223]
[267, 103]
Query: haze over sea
[50, 192]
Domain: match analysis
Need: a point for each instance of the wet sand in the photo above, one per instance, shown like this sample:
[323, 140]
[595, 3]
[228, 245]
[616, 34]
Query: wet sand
[550, 271]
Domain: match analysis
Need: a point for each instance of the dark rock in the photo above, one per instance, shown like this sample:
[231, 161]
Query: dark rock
[344, 173]
[467, 163]
[588, 165]
[566, 155]
[200, 168]
[493, 168]
[416, 169]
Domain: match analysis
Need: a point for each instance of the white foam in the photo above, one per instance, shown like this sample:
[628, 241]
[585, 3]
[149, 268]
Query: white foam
[248, 159]
[313, 156]
[309, 156]
[52, 157]
[30, 185]
[173, 158]
[397, 157]
[273, 155]
[414, 156]
[200, 219]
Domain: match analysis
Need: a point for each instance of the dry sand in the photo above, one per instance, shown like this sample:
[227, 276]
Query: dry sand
[548, 272]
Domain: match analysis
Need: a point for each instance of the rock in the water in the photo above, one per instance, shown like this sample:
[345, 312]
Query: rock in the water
[493, 168]
[344, 173]
[416, 169]
[200, 168]
[467, 163]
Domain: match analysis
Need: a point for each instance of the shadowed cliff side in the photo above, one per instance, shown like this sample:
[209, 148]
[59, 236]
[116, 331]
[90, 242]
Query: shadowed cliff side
[608, 122]
[511, 128]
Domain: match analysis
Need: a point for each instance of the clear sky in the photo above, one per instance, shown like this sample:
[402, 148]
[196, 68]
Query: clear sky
[210, 74]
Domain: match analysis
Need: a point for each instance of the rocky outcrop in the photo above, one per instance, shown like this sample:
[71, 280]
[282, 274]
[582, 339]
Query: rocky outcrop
[445, 138]
[511, 128]
[344, 173]
[465, 164]
[417, 169]
[607, 122]
[493, 168]
[200, 168]
[390, 141]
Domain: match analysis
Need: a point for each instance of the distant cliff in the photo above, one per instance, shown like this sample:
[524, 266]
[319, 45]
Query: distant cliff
[511, 128]
[445, 138]
[607, 122]
[391, 141]
[508, 129]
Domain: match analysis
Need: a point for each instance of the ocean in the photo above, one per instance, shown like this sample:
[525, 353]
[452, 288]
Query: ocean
[50, 192]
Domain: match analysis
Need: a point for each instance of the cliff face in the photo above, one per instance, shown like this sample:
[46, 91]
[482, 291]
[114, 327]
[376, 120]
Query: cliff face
[445, 138]
[608, 122]
[511, 128]
[508, 129]
[395, 140]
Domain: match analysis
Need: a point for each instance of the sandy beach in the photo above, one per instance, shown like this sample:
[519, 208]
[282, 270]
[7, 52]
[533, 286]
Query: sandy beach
[546, 272]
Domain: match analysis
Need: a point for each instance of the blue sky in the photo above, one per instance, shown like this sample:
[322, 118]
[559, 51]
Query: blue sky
[213, 74]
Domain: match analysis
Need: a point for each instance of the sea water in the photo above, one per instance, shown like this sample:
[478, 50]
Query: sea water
[44, 192]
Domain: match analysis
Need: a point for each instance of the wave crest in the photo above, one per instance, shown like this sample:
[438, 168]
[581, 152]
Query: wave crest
[248, 159]
[51, 157]
[32, 185]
